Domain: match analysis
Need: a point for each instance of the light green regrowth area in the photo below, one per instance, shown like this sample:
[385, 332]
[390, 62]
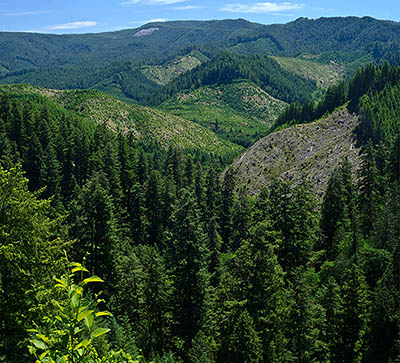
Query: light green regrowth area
[164, 73]
[240, 109]
[324, 74]
[299, 153]
[145, 123]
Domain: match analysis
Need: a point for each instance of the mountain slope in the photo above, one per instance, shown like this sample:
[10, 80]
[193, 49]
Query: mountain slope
[169, 39]
[145, 123]
[165, 73]
[302, 152]
[264, 71]
[324, 74]
[111, 61]
[239, 111]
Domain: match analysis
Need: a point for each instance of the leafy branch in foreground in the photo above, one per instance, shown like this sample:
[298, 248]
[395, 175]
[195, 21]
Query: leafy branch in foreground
[72, 327]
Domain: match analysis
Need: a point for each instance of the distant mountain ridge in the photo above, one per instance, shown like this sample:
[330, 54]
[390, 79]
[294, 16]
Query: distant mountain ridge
[111, 61]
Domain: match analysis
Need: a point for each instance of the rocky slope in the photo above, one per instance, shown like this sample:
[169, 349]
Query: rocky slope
[302, 152]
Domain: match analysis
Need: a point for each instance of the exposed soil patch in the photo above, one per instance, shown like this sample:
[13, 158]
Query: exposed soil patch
[302, 152]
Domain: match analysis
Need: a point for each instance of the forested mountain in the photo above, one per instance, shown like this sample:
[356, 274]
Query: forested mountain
[191, 269]
[127, 234]
[113, 62]
[225, 68]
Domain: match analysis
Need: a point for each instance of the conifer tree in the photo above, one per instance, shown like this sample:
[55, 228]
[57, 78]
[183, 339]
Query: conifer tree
[98, 230]
[187, 257]
[227, 204]
[369, 198]
[50, 174]
[252, 280]
[307, 322]
[153, 208]
[337, 209]
[29, 256]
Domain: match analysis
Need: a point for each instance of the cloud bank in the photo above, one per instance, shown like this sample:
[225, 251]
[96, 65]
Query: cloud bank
[152, 2]
[73, 25]
[26, 13]
[187, 7]
[264, 7]
[157, 20]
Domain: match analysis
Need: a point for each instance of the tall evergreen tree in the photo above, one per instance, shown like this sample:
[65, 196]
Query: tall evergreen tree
[98, 230]
[187, 259]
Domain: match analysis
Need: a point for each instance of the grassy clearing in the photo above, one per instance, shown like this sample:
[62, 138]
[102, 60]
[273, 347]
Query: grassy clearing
[145, 123]
[240, 112]
[163, 74]
[324, 74]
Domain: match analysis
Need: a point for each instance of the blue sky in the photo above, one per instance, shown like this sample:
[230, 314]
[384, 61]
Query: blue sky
[89, 16]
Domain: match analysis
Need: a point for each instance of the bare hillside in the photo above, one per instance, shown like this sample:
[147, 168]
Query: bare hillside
[302, 152]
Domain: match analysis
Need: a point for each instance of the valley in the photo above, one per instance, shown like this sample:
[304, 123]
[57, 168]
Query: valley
[201, 191]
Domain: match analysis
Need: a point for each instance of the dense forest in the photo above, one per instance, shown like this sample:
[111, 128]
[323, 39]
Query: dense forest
[370, 79]
[173, 264]
[225, 68]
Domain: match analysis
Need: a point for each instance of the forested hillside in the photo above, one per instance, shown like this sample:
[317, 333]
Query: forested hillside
[143, 124]
[225, 68]
[240, 111]
[117, 62]
[190, 269]
[127, 235]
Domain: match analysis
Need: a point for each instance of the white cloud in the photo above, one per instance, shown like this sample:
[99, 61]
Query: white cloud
[152, 2]
[157, 20]
[264, 7]
[187, 7]
[73, 25]
[26, 13]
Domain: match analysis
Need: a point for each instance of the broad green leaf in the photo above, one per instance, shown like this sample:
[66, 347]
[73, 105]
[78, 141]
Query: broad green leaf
[75, 301]
[43, 355]
[81, 268]
[43, 337]
[99, 332]
[84, 343]
[103, 313]
[89, 321]
[61, 282]
[82, 315]
[39, 344]
[83, 307]
[92, 279]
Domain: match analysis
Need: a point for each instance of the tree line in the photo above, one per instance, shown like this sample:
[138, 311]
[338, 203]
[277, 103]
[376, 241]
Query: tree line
[369, 79]
[195, 270]
[225, 68]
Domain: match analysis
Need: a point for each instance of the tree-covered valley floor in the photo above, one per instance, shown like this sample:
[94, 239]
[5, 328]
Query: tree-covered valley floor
[193, 269]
